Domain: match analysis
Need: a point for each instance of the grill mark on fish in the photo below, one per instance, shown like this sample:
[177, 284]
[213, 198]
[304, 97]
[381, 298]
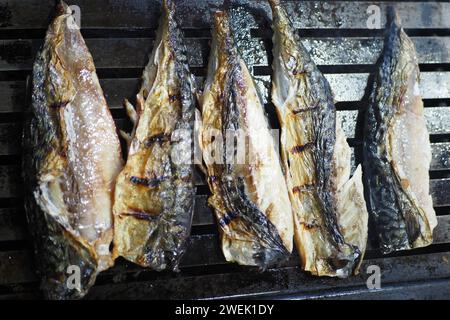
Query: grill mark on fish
[161, 243]
[148, 182]
[301, 148]
[60, 213]
[318, 127]
[174, 97]
[147, 216]
[59, 105]
[261, 243]
[303, 110]
[159, 138]
[309, 226]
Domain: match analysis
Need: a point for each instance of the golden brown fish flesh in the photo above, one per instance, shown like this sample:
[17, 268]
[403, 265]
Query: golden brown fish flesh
[249, 194]
[154, 199]
[70, 162]
[330, 215]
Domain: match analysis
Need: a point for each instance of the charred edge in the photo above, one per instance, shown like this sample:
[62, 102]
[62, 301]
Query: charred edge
[301, 148]
[148, 182]
[59, 105]
[227, 218]
[159, 138]
[308, 226]
[143, 215]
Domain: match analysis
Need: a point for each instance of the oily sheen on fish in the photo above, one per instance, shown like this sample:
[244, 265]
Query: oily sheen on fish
[249, 196]
[397, 152]
[71, 159]
[154, 199]
[330, 215]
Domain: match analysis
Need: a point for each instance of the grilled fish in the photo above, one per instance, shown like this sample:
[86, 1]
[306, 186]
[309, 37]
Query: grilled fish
[249, 196]
[397, 152]
[71, 159]
[154, 198]
[330, 215]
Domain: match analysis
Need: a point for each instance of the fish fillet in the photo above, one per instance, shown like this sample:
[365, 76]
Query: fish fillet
[397, 152]
[249, 196]
[154, 199]
[330, 215]
[70, 162]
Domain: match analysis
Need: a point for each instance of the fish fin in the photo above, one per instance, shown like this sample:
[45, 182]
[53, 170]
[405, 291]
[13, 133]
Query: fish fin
[198, 142]
[131, 112]
[199, 97]
[126, 136]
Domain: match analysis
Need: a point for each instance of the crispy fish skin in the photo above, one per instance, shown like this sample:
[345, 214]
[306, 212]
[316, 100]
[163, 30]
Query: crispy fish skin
[330, 215]
[255, 217]
[71, 159]
[397, 152]
[154, 199]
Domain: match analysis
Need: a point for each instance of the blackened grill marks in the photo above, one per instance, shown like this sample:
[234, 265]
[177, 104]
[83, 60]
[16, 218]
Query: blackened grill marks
[301, 148]
[307, 108]
[147, 216]
[159, 138]
[297, 111]
[309, 226]
[167, 243]
[323, 125]
[59, 105]
[233, 188]
[148, 182]
[173, 98]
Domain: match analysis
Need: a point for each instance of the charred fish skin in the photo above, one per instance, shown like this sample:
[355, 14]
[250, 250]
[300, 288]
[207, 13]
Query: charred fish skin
[316, 159]
[255, 220]
[154, 199]
[71, 157]
[397, 151]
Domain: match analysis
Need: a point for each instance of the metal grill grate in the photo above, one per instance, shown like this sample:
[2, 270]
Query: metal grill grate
[120, 35]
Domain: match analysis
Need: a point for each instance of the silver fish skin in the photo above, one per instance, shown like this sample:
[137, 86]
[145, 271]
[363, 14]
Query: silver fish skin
[155, 192]
[397, 151]
[330, 215]
[249, 197]
[71, 159]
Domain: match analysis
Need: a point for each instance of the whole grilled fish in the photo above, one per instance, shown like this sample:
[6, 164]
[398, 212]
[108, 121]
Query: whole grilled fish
[71, 159]
[154, 199]
[330, 215]
[397, 152]
[249, 194]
